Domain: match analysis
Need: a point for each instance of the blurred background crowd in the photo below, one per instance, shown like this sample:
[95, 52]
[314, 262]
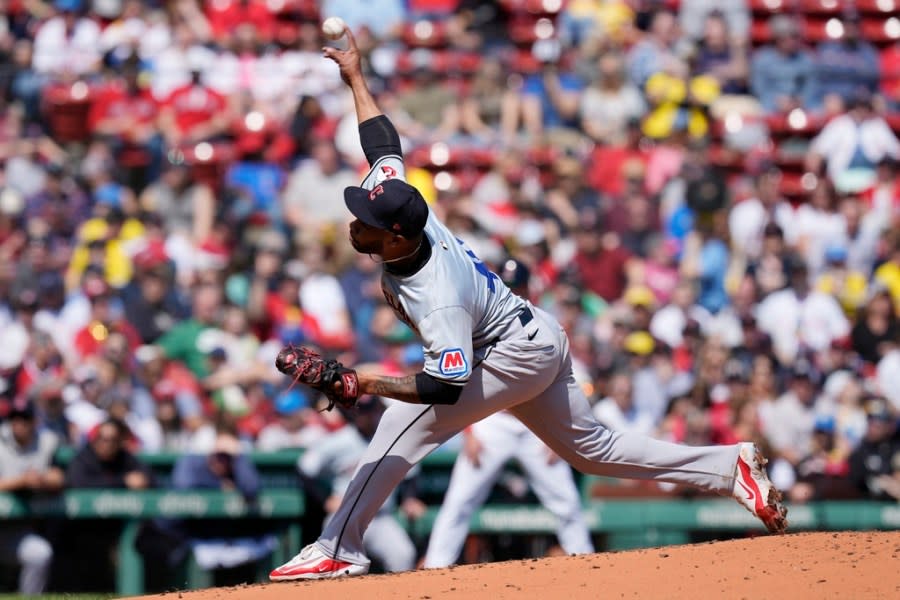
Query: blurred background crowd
[707, 195]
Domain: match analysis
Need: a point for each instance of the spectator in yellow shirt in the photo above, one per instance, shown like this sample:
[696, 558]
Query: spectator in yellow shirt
[888, 274]
[103, 241]
[847, 286]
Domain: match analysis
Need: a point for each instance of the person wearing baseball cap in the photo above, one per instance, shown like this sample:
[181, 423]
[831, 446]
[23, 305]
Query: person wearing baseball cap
[390, 220]
[26, 465]
[485, 350]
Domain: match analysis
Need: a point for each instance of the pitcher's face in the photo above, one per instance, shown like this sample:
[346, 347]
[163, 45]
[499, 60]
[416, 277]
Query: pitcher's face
[367, 239]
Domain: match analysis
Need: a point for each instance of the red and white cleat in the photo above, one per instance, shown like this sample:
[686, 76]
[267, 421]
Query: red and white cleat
[312, 564]
[755, 492]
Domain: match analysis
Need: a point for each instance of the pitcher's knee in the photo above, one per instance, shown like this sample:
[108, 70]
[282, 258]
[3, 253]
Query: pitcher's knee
[35, 551]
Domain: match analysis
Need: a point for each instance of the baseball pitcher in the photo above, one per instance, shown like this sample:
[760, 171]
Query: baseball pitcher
[486, 350]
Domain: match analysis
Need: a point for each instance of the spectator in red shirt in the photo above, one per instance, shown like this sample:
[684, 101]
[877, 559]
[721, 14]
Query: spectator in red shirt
[890, 75]
[90, 339]
[600, 261]
[225, 16]
[194, 112]
[606, 168]
[42, 363]
[125, 113]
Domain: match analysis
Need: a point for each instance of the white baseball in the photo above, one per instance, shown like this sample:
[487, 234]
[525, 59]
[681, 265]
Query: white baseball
[333, 28]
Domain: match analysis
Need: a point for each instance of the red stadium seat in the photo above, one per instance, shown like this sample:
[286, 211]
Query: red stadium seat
[792, 186]
[768, 7]
[781, 125]
[534, 7]
[528, 29]
[879, 30]
[878, 6]
[67, 108]
[425, 34]
[819, 30]
[822, 7]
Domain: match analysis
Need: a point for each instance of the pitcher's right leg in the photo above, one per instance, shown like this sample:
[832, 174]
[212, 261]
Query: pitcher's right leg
[561, 416]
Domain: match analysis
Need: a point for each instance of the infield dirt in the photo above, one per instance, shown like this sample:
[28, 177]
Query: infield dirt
[855, 565]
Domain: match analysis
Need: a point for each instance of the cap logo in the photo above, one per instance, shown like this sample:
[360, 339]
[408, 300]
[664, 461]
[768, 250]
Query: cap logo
[376, 191]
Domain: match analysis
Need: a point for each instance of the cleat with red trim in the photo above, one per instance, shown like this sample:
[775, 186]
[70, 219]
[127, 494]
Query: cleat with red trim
[755, 492]
[311, 563]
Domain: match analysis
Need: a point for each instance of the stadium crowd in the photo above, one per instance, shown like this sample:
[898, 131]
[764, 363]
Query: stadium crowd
[707, 194]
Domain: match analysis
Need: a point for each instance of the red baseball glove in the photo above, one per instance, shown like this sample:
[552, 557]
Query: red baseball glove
[339, 384]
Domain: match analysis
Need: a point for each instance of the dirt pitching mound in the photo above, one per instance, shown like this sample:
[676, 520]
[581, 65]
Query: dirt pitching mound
[803, 565]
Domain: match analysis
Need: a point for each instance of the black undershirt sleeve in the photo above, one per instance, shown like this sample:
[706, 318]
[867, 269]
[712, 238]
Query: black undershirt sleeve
[435, 391]
[378, 138]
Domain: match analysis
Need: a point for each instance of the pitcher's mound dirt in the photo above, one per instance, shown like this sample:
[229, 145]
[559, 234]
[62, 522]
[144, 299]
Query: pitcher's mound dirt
[805, 565]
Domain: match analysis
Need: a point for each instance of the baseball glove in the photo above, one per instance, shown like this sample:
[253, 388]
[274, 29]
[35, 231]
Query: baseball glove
[339, 384]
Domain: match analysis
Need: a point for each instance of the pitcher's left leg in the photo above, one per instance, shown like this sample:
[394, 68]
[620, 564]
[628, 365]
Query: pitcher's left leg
[555, 487]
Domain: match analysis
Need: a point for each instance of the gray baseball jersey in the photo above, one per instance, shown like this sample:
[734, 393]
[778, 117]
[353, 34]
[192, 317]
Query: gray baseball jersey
[455, 304]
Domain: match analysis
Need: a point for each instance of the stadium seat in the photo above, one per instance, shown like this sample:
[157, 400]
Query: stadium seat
[877, 6]
[425, 34]
[821, 7]
[781, 125]
[67, 108]
[534, 7]
[768, 7]
[528, 29]
[879, 30]
[792, 185]
[817, 30]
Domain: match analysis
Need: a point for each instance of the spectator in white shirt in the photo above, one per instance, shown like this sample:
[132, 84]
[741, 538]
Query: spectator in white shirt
[320, 174]
[856, 140]
[747, 220]
[818, 225]
[797, 319]
[692, 14]
[617, 410]
[860, 235]
[68, 45]
[293, 428]
[668, 323]
[788, 422]
[172, 67]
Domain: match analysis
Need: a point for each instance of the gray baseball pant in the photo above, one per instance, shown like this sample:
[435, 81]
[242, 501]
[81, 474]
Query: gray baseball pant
[532, 378]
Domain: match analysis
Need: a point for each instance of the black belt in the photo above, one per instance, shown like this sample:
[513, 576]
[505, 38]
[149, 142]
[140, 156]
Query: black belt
[525, 316]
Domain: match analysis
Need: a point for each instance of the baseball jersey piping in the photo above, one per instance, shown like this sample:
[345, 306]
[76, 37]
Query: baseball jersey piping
[337, 546]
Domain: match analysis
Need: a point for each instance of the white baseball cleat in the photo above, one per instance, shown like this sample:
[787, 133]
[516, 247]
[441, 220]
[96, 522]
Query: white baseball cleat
[755, 492]
[311, 563]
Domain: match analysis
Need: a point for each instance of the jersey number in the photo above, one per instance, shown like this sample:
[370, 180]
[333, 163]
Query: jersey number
[480, 267]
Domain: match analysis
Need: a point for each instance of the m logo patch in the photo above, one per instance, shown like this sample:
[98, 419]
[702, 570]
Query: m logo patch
[453, 362]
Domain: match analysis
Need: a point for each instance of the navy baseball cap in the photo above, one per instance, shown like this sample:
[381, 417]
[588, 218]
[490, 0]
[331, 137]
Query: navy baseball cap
[392, 205]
